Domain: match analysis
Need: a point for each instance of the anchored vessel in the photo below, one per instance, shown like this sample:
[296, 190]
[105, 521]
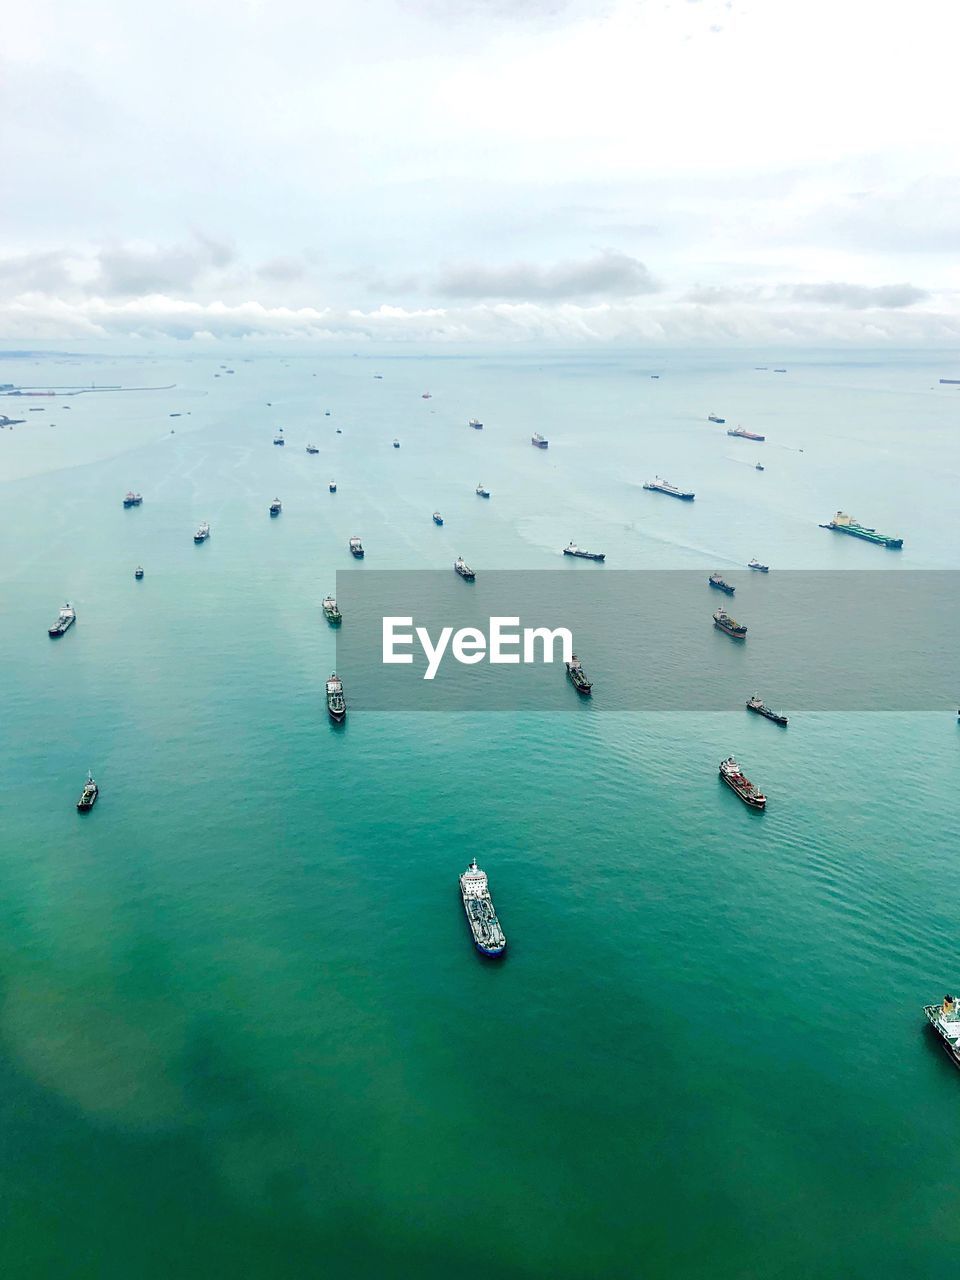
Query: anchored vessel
[427, 395]
[333, 486]
[729, 625]
[843, 523]
[575, 672]
[278, 438]
[312, 448]
[464, 570]
[138, 572]
[758, 567]
[203, 533]
[573, 550]
[356, 548]
[336, 703]
[133, 499]
[760, 467]
[488, 936]
[476, 424]
[66, 619]
[740, 434]
[715, 580]
[945, 1020]
[330, 610]
[664, 486]
[88, 796]
[396, 444]
[735, 779]
[538, 441]
[713, 418]
[275, 507]
[482, 492]
[757, 704]
[437, 518]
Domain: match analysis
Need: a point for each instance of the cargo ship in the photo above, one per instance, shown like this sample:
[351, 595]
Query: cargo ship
[276, 507]
[757, 704]
[945, 1020]
[437, 518]
[356, 548]
[476, 424]
[481, 492]
[65, 620]
[88, 796]
[730, 626]
[133, 499]
[538, 441]
[330, 610]
[464, 570]
[735, 779]
[842, 523]
[488, 936]
[713, 418]
[577, 677]
[716, 581]
[573, 550]
[740, 433]
[336, 702]
[664, 486]
[202, 534]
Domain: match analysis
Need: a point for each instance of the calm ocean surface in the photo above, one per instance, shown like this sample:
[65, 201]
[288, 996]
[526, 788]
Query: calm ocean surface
[242, 1028]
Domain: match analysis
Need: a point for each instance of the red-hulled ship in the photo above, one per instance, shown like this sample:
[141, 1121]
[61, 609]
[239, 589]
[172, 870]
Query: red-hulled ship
[736, 780]
[741, 434]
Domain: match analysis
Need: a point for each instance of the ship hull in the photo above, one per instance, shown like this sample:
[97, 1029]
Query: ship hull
[750, 801]
[725, 587]
[684, 497]
[357, 555]
[734, 635]
[952, 1053]
[878, 539]
[586, 555]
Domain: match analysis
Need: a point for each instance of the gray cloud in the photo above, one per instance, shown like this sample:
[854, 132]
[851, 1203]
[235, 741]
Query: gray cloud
[282, 270]
[858, 297]
[608, 274]
[35, 272]
[130, 271]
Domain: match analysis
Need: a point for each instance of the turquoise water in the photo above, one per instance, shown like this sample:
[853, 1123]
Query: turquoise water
[242, 1029]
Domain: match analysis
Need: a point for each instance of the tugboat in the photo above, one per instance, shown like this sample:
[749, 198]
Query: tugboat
[312, 448]
[133, 499]
[538, 441]
[437, 518]
[842, 523]
[278, 438]
[68, 616]
[88, 796]
[275, 507]
[734, 777]
[356, 548]
[482, 492]
[488, 936]
[575, 672]
[713, 418]
[476, 424]
[330, 610]
[573, 550]
[138, 572]
[332, 486]
[739, 433]
[945, 1020]
[757, 704]
[396, 444]
[664, 486]
[758, 567]
[202, 534]
[464, 570]
[715, 580]
[730, 626]
[336, 703]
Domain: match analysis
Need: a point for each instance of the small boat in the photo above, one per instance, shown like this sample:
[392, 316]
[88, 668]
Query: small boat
[330, 610]
[426, 396]
[758, 567]
[326, 414]
[278, 438]
[336, 703]
[476, 424]
[481, 492]
[133, 499]
[202, 534]
[88, 796]
[276, 507]
[464, 570]
[759, 467]
[779, 371]
[717, 581]
[339, 432]
[571, 549]
[312, 448]
[575, 672]
[396, 444]
[138, 572]
[757, 704]
[437, 518]
[538, 441]
[67, 617]
[356, 548]
[713, 418]
[332, 486]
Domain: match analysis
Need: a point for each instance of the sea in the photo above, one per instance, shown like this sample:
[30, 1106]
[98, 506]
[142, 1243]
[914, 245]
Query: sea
[243, 1030]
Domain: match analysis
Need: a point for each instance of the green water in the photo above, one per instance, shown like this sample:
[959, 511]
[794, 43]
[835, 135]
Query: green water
[242, 1028]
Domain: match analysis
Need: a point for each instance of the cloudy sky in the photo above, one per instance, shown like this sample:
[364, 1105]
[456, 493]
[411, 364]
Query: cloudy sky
[677, 171]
